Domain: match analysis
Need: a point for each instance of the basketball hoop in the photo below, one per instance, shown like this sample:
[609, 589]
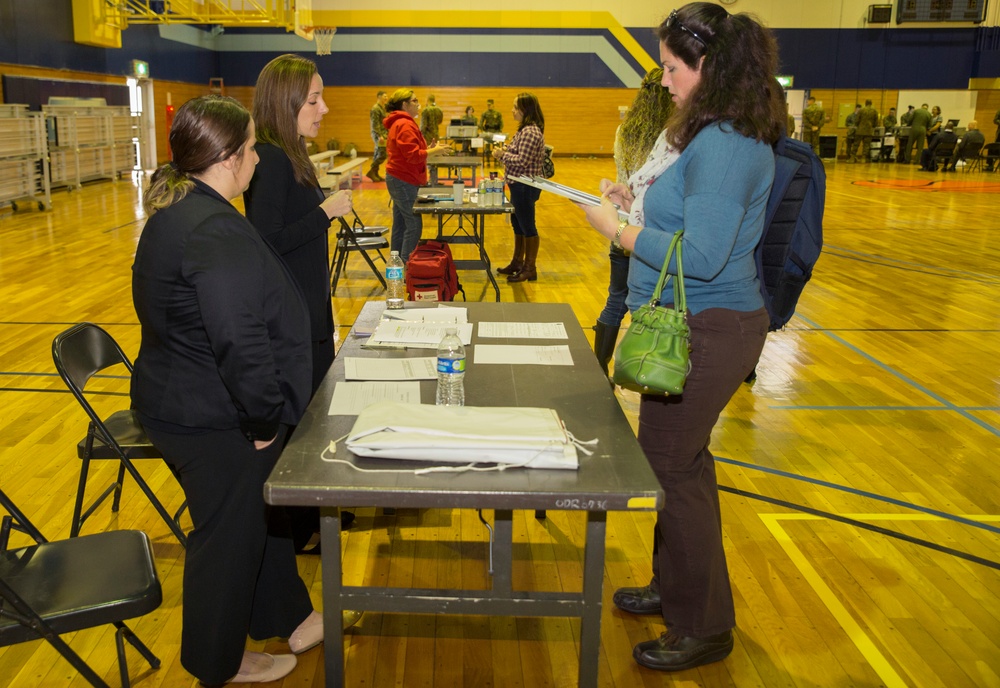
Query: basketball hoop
[323, 35]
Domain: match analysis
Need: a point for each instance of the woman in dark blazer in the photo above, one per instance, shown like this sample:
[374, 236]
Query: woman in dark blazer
[287, 206]
[222, 371]
[284, 201]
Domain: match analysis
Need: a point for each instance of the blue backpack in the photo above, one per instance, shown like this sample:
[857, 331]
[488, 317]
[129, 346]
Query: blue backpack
[793, 228]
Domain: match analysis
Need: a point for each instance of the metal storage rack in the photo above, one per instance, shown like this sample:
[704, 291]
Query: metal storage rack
[90, 142]
[126, 130]
[24, 174]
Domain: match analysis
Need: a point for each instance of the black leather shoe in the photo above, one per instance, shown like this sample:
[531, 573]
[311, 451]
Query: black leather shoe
[644, 600]
[672, 652]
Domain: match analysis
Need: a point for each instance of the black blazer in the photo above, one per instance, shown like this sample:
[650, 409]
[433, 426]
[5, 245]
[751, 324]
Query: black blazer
[225, 332]
[288, 215]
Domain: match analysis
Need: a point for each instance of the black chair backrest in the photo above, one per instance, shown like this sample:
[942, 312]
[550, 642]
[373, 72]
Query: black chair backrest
[971, 150]
[84, 350]
[16, 520]
[945, 149]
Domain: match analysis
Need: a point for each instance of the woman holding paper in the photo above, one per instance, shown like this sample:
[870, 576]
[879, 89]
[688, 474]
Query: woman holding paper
[719, 70]
[641, 155]
[524, 156]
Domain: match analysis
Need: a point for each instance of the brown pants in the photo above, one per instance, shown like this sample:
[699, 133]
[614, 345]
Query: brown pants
[688, 559]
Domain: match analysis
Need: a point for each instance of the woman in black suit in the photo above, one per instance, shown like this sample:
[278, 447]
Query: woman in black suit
[284, 201]
[223, 370]
[287, 206]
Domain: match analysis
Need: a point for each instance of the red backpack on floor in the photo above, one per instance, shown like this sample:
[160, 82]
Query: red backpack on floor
[431, 273]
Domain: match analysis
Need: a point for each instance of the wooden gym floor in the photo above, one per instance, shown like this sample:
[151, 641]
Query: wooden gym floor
[859, 472]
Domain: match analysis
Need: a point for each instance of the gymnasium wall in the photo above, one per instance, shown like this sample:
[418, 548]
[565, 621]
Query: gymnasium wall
[582, 60]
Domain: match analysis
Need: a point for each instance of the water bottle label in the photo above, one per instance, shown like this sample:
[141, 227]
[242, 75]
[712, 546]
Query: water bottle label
[451, 365]
[393, 273]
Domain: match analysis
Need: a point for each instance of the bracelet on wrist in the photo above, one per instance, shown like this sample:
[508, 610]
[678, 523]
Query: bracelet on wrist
[617, 241]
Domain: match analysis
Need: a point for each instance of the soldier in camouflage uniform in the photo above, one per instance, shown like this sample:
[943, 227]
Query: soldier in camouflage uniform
[851, 122]
[379, 134]
[430, 119]
[813, 119]
[866, 121]
[889, 122]
[490, 123]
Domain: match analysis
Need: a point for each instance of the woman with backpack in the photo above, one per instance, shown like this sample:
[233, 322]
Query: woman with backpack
[524, 157]
[729, 111]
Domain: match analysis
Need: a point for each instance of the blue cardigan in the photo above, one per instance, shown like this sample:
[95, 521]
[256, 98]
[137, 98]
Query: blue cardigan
[717, 192]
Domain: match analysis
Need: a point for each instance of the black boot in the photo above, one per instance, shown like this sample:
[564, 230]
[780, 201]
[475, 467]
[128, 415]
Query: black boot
[605, 339]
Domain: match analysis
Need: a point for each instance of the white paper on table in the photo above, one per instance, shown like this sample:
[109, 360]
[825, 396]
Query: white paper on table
[401, 334]
[441, 314]
[351, 398]
[476, 142]
[523, 330]
[514, 355]
[423, 368]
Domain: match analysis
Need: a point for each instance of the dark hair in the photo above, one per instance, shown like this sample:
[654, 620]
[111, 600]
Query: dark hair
[737, 82]
[531, 111]
[380, 94]
[644, 121]
[206, 130]
[282, 90]
[396, 100]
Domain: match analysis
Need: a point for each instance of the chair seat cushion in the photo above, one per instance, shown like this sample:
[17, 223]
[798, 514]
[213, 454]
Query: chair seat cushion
[125, 427]
[81, 582]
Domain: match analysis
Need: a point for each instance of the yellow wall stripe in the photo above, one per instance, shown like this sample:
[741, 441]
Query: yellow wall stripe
[431, 19]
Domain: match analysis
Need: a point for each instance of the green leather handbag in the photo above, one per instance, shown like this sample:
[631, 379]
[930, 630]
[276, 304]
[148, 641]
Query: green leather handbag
[654, 355]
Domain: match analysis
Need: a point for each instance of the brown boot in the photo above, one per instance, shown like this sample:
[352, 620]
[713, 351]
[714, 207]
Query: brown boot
[373, 174]
[527, 273]
[517, 262]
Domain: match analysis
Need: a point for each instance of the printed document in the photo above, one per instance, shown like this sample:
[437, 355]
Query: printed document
[351, 398]
[530, 355]
[402, 334]
[523, 330]
[424, 368]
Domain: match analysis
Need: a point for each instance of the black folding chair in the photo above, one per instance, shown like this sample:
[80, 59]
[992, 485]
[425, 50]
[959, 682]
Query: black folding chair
[356, 236]
[79, 353]
[989, 154]
[51, 588]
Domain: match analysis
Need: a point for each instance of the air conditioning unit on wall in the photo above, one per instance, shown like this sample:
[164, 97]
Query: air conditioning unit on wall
[879, 14]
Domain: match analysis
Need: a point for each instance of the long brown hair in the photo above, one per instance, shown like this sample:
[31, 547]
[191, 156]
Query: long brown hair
[282, 89]
[644, 121]
[737, 82]
[206, 130]
[531, 111]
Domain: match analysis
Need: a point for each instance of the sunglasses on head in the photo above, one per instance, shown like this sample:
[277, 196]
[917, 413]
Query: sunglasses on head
[672, 20]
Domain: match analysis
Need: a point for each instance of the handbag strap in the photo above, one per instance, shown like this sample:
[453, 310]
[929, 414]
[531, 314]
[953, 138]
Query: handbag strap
[680, 298]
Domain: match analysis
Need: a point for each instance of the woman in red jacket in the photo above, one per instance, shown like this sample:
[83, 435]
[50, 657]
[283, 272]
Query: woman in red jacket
[406, 170]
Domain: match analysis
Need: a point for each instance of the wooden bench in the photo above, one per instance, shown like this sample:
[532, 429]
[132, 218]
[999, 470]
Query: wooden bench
[349, 169]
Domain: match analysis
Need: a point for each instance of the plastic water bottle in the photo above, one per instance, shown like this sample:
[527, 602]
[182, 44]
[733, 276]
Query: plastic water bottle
[481, 199]
[497, 200]
[490, 192]
[395, 282]
[451, 370]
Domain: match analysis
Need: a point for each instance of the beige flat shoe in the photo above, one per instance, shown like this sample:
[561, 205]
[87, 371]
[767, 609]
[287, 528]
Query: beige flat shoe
[309, 634]
[258, 667]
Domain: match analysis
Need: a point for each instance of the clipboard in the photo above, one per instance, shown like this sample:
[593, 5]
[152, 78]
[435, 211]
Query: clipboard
[569, 192]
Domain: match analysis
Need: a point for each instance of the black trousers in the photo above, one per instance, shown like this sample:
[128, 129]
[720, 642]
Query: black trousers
[689, 563]
[240, 576]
